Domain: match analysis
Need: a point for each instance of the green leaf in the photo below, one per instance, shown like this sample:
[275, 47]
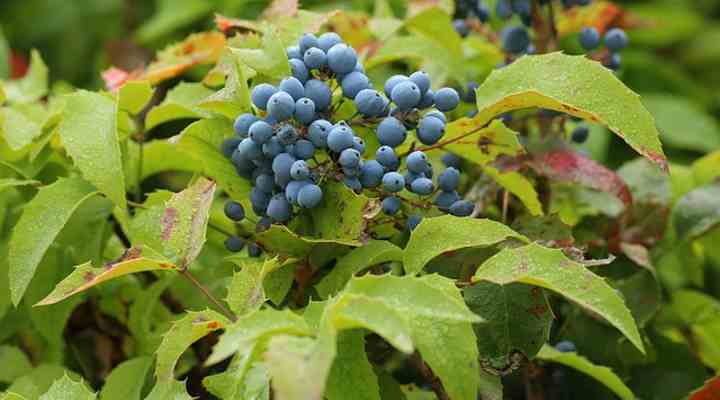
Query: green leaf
[184, 332]
[11, 396]
[169, 390]
[341, 214]
[67, 389]
[4, 62]
[550, 268]
[517, 184]
[141, 315]
[707, 168]
[234, 98]
[10, 183]
[281, 240]
[481, 145]
[435, 236]
[125, 381]
[270, 60]
[696, 130]
[697, 212]
[183, 225]
[14, 357]
[171, 16]
[435, 25]
[53, 205]
[230, 383]
[201, 141]
[89, 132]
[517, 318]
[32, 385]
[18, 129]
[351, 375]
[85, 276]
[697, 314]
[373, 253]
[603, 375]
[574, 85]
[246, 292]
[33, 86]
[134, 95]
[181, 102]
[297, 367]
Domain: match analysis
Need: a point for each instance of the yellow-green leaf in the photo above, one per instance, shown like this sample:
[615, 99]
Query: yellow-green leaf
[134, 95]
[67, 389]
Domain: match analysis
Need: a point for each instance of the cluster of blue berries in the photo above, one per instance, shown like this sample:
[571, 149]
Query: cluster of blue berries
[615, 39]
[292, 144]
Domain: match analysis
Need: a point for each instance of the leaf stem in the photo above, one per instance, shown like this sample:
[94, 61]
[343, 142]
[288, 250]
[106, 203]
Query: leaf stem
[224, 310]
[445, 142]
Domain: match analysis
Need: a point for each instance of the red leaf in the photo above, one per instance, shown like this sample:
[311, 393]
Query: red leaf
[19, 65]
[114, 78]
[710, 391]
[565, 165]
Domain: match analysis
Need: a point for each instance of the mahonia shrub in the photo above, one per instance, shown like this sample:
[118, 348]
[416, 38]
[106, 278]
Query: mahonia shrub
[408, 204]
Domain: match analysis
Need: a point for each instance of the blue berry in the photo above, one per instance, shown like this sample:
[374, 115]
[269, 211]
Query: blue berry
[349, 158]
[242, 124]
[249, 149]
[369, 103]
[254, 250]
[469, 96]
[292, 190]
[422, 80]
[406, 95]
[340, 138]
[327, 40]
[503, 9]
[392, 82]
[259, 201]
[353, 83]
[353, 183]
[515, 39]
[281, 106]
[359, 144]
[427, 100]
[461, 27]
[614, 61]
[260, 132]
[430, 130]
[438, 115]
[318, 132]
[580, 134]
[446, 99]
[287, 134]
[391, 205]
[281, 166]
[263, 224]
[293, 52]
[341, 58]
[462, 208]
[315, 58]
[265, 182]
[589, 38]
[446, 199]
[412, 222]
[299, 70]
[616, 39]
[371, 174]
[521, 7]
[386, 156]
[391, 132]
[279, 209]
[304, 149]
[305, 110]
[449, 179]
[310, 196]
[229, 146]
[417, 162]
[319, 92]
[234, 211]
[307, 41]
[393, 182]
[234, 244]
[566, 346]
[422, 186]
[261, 94]
[299, 170]
[351, 171]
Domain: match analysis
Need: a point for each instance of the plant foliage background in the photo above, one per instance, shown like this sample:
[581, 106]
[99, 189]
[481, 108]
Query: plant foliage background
[115, 283]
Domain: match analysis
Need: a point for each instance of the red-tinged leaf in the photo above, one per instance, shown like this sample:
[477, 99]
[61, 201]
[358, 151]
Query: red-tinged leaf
[226, 24]
[281, 8]
[710, 391]
[567, 166]
[114, 78]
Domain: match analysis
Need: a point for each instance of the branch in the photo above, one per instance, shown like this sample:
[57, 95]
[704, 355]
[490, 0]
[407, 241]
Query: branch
[429, 375]
[224, 310]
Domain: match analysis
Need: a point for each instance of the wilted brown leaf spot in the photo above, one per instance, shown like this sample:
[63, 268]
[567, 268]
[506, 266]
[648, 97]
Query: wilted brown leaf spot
[89, 276]
[168, 222]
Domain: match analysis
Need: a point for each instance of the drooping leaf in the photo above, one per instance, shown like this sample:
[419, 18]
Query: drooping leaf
[67, 389]
[125, 381]
[89, 132]
[184, 332]
[435, 236]
[31, 87]
[517, 318]
[183, 101]
[576, 86]
[602, 374]
[697, 212]
[373, 253]
[550, 268]
[14, 357]
[85, 276]
[53, 205]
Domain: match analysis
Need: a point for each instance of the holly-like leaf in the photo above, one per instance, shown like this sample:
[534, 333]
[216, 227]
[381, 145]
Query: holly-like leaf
[269, 60]
[435, 236]
[373, 253]
[550, 268]
[201, 141]
[517, 318]
[565, 165]
[86, 276]
[53, 205]
[697, 212]
[603, 375]
[184, 332]
[89, 133]
[574, 85]
[183, 101]
[184, 222]
[67, 389]
[125, 381]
